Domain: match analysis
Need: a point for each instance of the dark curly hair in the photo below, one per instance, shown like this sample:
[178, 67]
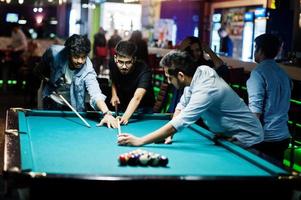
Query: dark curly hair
[179, 61]
[77, 45]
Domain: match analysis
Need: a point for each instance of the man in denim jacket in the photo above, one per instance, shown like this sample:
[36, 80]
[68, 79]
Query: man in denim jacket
[69, 72]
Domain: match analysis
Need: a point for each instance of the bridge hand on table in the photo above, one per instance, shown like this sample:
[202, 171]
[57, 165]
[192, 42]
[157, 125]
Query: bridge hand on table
[109, 120]
[126, 139]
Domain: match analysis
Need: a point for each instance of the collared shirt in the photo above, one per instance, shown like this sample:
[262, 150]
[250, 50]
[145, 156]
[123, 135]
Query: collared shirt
[221, 109]
[269, 90]
[84, 79]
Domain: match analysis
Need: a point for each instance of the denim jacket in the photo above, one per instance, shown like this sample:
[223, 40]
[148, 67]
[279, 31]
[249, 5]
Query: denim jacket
[84, 79]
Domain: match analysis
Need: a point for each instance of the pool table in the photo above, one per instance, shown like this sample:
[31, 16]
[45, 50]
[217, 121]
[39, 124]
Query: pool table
[50, 153]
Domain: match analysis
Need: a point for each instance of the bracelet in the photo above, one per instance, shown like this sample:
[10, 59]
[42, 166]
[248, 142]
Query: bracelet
[108, 112]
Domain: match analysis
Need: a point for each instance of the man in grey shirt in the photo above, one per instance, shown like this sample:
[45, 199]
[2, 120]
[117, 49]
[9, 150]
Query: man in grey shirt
[205, 96]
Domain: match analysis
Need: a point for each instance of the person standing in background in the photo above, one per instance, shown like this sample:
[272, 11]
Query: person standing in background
[142, 50]
[113, 41]
[17, 47]
[226, 46]
[99, 50]
[269, 89]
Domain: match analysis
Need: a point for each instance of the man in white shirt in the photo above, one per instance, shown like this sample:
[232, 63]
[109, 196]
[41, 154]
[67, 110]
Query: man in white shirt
[205, 96]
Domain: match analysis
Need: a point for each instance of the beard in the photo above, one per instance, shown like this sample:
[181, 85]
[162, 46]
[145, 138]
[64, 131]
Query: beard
[73, 66]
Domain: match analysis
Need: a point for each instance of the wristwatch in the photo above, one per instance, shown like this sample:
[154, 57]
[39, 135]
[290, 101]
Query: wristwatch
[108, 112]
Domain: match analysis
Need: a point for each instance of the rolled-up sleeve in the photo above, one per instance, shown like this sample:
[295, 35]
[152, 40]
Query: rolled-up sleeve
[93, 89]
[256, 92]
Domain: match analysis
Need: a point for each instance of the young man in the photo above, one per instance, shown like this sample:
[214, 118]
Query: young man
[269, 90]
[70, 73]
[205, 96]
[131, 82]
[195, 49]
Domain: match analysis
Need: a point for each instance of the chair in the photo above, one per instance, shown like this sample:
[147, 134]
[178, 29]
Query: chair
[237, 80]
[154, 64]
[162, 98]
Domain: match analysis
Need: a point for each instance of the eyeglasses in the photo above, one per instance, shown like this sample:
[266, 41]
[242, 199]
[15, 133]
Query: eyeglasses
[126, 63]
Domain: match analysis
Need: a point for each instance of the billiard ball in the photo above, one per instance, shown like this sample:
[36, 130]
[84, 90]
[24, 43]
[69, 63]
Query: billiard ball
[123, 159]
[155, 160]
[133, 159]
[163, 161]
[144, 159]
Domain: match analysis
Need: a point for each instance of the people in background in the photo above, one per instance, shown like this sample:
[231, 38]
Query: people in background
[112, 42]
[18, 39]
[269, 89]
[131, 82]
[68, 71]
[99, 50]
[226, 44]
[142, 50]
[196, 50]
[205, 96]
[17, 47]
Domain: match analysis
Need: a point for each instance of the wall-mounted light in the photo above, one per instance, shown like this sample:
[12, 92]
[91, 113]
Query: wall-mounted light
[22, 21]
[20, 1]
[39, 19]
[53, 22]
[38, 7]
[89, 5]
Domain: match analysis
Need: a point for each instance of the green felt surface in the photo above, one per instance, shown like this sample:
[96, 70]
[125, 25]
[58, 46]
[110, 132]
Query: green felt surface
[61, 144]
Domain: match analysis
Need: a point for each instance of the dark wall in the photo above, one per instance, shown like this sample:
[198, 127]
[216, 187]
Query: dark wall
[185, 13]
[281, 22]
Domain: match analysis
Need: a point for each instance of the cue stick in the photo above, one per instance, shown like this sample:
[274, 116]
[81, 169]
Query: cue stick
[116, 114]
[116, 109]
[38, 72]
[119, 128]
[66, 102]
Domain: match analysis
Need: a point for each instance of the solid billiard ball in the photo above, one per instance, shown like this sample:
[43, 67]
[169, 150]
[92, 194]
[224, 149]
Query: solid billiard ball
[155, 159]
[123, 159]
[163, 161]
[133, 159]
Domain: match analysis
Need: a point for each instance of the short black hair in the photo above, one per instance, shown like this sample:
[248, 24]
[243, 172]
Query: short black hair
[179, 61]
[78, 45]
[269, 44]
[221, 29]
[192, 40]
[126, 48]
